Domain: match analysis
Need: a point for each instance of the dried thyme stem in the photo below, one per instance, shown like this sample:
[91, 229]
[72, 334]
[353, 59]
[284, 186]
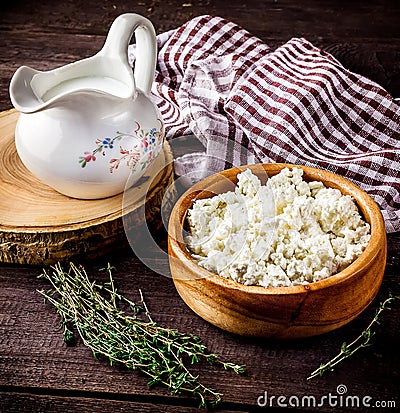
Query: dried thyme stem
[363, 340]
[160, 353]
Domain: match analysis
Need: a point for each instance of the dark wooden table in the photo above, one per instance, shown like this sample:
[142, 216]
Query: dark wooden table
[39, 373]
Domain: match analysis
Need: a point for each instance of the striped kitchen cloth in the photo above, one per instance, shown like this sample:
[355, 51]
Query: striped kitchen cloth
[297, 104]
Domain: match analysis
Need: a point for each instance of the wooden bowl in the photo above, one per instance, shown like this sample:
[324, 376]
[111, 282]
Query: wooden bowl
[279, 312]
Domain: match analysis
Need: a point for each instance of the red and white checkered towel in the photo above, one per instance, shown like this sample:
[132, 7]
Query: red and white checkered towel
[247, 103]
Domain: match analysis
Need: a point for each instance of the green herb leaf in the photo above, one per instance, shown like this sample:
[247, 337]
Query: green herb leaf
[363, 340]
[160, 353]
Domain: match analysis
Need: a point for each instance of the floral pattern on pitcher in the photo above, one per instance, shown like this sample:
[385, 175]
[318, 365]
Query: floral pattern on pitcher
[147, 143]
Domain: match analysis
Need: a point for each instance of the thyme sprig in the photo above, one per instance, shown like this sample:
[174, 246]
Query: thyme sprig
[160, 353]
[361, 341]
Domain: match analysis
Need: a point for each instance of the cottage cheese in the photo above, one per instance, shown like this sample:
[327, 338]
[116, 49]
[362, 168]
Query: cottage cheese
[286, 232]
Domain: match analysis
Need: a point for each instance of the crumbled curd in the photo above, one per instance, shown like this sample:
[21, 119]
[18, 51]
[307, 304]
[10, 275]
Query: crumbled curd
[286, 232]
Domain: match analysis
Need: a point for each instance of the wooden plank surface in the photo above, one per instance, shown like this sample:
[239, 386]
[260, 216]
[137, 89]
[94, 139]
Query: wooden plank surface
[35, 357]
[39, 373]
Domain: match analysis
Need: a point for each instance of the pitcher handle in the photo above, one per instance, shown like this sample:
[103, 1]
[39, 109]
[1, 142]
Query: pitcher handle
[117, 42]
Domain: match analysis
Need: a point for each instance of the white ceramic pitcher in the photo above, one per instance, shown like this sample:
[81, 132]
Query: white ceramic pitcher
[88, 127]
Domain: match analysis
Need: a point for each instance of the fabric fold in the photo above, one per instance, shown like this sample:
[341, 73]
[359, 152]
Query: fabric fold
[297, 104]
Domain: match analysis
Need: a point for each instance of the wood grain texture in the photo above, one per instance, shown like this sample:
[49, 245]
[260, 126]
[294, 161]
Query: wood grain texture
[39, 373]
[86, 403]
[41, 226]
[34, 356]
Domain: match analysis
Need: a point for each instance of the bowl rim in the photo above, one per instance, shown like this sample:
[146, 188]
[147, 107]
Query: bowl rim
[363, 200]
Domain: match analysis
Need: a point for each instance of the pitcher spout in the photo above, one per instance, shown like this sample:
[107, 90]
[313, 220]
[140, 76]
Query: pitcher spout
[22, 95]
[32, 90]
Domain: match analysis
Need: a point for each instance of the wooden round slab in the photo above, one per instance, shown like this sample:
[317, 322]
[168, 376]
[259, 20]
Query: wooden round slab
[41, 226]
